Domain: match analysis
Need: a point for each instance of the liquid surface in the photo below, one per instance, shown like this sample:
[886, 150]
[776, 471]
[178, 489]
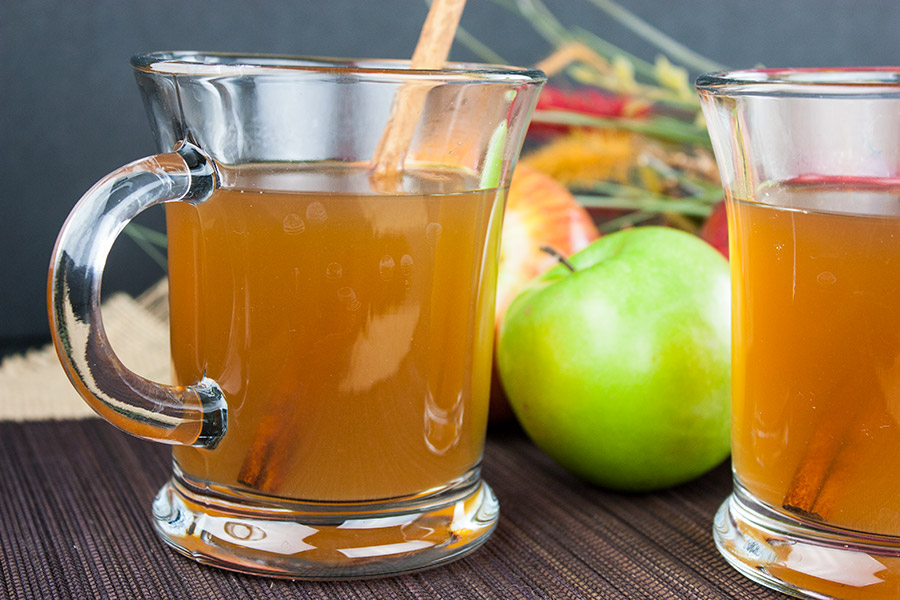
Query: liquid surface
[350, 330]
[816, 377]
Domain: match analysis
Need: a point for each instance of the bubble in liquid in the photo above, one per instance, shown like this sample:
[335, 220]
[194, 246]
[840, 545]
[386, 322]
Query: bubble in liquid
[433, 233]
[386, 267]
[826, 278]
[406, 265]
[779, 247]
[348, 298]
[334, 271]
[316, 213]
[293, 224]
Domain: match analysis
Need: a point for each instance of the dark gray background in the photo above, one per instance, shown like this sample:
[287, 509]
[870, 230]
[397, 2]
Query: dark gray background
[70, 112]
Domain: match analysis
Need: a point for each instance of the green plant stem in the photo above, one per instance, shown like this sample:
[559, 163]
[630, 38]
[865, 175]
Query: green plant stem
[665, 128]
[642, 68]
[671, 47]
[478, 48]
[150, 241]
[624, 221]
[148, 246]
[648, 204]
[694, 187]
[541, 19]
[612, 188]
[150, 235]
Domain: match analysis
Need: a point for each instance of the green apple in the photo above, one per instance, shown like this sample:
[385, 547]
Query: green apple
[617, 365]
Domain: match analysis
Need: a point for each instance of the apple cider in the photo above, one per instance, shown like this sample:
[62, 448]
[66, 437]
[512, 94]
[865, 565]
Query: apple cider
[816, 366]
[350, 329]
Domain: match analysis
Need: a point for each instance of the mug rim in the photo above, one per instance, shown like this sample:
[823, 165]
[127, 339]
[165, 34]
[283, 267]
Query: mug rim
[802, 81]
[195, 63]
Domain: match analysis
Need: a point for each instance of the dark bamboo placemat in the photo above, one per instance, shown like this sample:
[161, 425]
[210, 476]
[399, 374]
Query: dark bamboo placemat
[74, 523]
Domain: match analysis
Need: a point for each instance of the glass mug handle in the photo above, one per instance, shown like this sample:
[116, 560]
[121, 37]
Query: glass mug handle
[192, 415]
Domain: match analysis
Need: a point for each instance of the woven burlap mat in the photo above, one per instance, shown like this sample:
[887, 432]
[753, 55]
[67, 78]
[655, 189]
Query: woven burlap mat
[33, 386]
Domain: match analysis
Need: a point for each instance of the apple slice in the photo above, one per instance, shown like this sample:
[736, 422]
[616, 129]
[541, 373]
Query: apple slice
[539, 212]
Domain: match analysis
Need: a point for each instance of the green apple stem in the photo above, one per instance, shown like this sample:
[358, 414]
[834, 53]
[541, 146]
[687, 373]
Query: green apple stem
[562, 259]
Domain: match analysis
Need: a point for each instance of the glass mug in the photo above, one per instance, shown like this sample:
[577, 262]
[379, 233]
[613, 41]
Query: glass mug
[331, 330]
[810, 163]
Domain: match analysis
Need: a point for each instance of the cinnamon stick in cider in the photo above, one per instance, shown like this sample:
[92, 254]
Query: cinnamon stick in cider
[266, 463]
[430, 53]
[821, 476]
[263, 467]
[268, 460]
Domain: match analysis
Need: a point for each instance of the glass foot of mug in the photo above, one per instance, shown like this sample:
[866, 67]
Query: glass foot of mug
[798, 558]
[325, 541]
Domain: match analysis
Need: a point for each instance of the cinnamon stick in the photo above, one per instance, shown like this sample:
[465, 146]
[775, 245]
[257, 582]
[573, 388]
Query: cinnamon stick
[276, 440]
[821, 476]
[264, 466]
[430, 53]
[815, 468]
[267, 461]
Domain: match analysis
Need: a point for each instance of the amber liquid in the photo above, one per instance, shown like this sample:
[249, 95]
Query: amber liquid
[350, 330]
[816, 375]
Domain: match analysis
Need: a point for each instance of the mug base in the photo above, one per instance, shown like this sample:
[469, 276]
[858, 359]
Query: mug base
[802, 559]
[328, 541]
